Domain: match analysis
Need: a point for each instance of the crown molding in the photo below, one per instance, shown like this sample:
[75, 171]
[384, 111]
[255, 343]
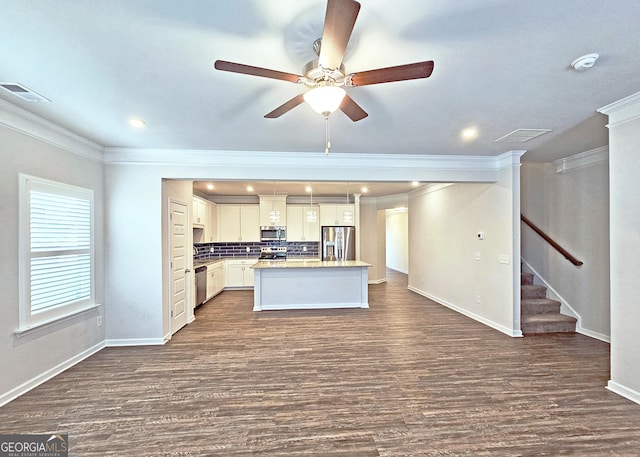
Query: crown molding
[32, 125]
[584, 159]
[510, 158]
[622, 111]
[386, 167]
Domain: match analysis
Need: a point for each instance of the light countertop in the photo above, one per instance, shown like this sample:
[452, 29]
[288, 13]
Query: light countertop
[310, 264]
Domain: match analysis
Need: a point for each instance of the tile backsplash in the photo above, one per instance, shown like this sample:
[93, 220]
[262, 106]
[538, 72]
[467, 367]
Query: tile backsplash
[222, 250]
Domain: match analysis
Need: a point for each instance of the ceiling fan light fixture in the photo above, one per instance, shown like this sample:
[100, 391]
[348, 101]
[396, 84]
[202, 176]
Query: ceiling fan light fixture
[325, 99]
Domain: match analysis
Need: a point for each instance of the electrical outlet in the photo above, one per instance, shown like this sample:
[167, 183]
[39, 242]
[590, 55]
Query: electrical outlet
[504, 259]
[478, 298]
[99, 321]
[211, 250]
[248, 249]
[304, 249]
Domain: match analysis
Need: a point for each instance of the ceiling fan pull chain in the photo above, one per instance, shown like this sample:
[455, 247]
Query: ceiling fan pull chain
[327, 136]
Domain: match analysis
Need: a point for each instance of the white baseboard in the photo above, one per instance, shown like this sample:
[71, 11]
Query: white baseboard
[49, 374]
[135, 342]
[377, 281]
[592, 334]
[475, 317]
[623, 391]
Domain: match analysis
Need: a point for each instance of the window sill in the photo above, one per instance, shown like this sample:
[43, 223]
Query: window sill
[24, 331]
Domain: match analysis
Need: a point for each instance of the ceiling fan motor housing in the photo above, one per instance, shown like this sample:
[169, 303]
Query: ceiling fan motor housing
[315, 74]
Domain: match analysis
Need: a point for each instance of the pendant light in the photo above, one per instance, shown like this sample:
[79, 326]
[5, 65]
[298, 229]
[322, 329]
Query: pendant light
[312, 215]
[274, 216]
[347, 216]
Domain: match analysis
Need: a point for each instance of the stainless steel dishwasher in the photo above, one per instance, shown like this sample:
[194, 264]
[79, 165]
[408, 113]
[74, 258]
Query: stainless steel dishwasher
[201, 285]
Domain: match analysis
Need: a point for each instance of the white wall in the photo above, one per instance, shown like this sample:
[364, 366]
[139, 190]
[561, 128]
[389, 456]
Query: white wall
[372, 240]
[443, 224]
[134, 257]
[397, 237]
[624, 176]
[572, 207]
[32, 358]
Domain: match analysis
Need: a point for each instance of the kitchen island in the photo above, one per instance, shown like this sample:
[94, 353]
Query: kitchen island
[310, 284]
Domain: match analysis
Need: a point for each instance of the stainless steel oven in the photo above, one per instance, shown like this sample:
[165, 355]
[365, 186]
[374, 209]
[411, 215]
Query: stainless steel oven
[273, 233]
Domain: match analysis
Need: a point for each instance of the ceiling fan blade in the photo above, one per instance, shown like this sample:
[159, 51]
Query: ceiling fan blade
[288, 106]
[352, 109]
[256, 71]
[391, 74]
[339, 21]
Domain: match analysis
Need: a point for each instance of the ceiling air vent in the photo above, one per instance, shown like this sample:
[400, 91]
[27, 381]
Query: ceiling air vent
[521, 135]
[26, 94]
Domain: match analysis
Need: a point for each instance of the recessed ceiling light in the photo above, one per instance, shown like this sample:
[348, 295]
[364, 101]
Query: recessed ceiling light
[308, 189]
[137, 123]
[210, 186]
[469, 133]
[415, 184]
[365, 189]
[249, 188]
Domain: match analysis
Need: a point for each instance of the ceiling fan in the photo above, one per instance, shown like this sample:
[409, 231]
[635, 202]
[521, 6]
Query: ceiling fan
[326, 76]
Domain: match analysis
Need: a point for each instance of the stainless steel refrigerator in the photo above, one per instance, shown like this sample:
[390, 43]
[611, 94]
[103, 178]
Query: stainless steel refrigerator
[338, 243]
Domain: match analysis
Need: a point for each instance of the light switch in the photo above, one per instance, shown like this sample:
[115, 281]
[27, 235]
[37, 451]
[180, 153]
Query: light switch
[504, 259]
[478, 256]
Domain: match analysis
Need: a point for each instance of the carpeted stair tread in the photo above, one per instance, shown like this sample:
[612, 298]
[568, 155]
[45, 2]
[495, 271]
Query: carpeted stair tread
[539, 306]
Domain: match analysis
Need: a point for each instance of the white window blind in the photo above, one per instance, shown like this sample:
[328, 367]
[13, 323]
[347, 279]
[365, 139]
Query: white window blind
[57, 253]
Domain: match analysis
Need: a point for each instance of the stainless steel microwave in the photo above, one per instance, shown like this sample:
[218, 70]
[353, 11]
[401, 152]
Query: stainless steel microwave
[273, 233]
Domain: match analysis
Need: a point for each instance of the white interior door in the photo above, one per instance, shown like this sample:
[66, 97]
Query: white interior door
[178, 254]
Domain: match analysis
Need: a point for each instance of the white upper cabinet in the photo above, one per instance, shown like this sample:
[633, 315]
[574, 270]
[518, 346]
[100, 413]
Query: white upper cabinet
[204, 219]
[238, 223]
[199, 212]
[211, 229]
[273, 206]
[298, 227]
[337, 214]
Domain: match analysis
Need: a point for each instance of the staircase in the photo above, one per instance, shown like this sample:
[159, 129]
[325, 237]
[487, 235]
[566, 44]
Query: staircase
[539, 314]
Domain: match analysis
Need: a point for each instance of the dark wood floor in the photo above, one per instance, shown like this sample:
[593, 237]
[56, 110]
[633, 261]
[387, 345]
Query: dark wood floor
[405, 378]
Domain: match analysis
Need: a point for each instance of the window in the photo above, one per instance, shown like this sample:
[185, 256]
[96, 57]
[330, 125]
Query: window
[56, 251]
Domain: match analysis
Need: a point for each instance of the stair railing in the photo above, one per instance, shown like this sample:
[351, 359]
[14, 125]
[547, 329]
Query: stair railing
[549, 240]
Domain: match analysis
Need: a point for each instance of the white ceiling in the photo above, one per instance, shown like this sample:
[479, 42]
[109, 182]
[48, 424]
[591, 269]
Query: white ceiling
[500, 65]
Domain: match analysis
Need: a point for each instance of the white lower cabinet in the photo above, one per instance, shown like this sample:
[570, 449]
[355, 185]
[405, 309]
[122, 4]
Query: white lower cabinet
[239, 272]
[215, 279]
